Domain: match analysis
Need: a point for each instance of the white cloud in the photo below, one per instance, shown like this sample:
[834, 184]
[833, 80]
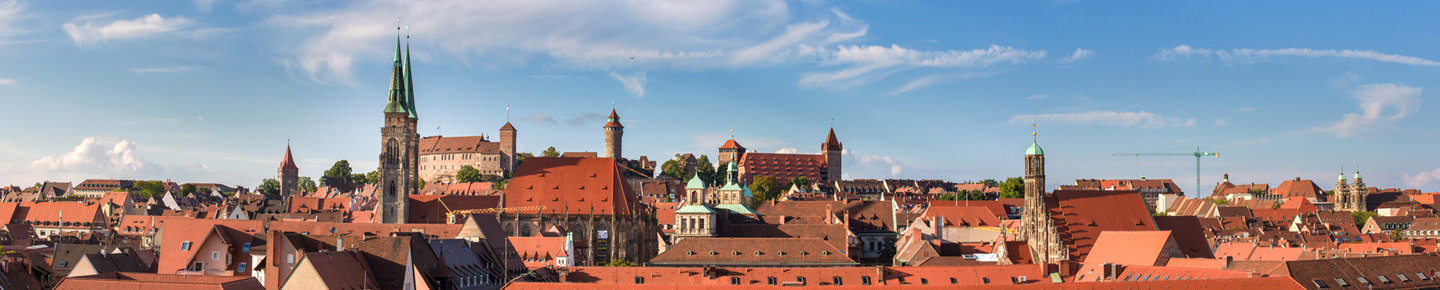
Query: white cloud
[1379, 103]
[1425, 179]
[586, 119]
[1221, 123]
[634, 83]
[1036, 97]
[1185, 52]
[7, 82]
[11, 11]
[788, 150]
[931, 79]
[860, 61]
[95, 158]
[1106, 118]
[145, 26]
[168, 69]
[870, 166]
[1078, 55]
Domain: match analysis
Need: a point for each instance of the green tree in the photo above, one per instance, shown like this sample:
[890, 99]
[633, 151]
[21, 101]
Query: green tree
[948, 196]
[269, 186]
[1220, 201]
[359, 178]
[1396, 235]
[373, 177]
[187, 190]
[467, 173]
[673, 168]
[990, 183]
[148, 188]
[619, 263]
[720, 174]
[339, 172]
[765, 188]
[550, 152]
[1361, 217]
[1014, 187]
[421, 185]
[306, 184]
[38, 184]
[704, 169]
[887, 249]
[500, 184]
[800, 181]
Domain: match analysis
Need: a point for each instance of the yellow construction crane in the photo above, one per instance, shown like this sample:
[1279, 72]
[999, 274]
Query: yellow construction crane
[449, 213]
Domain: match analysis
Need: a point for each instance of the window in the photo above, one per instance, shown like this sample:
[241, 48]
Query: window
[1127, 277]
[290, 259]
[770, 280]
[734, 280]
[1402, 277]
[924, 281]
[1383, 279]
[245, 247]
[243, 267]
[1364, 281]
[836, 281]
[1421, 276]
[864, 280]
[639, 280]
[1320, 284]
[985, 279]
[1341, 282]
[902, 280]
[215, 255]
[63, 263]
[185, 246]
[801, 279]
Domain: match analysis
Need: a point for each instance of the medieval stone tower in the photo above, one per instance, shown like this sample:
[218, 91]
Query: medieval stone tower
[1036, 226]
[399, 144]
[613, 133]
[507, 148]
[832, 149]
[289, 174]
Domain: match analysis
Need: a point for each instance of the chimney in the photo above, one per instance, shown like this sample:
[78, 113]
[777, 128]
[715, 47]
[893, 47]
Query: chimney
[783, 219]
[880, 274]
[564, 274]
[1228, 260]
[940, 227]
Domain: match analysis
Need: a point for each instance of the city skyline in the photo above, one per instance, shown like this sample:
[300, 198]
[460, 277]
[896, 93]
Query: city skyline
[210, 91]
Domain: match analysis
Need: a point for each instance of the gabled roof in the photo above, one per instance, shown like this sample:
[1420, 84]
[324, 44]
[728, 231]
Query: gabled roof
[731, 144]
[459, 144]
[434, 208]
[783, 166]
[1142, 248]
[1300, 187]
[507, 127]
[1081, 215]
[150, 281]
[176, 231]
[1189, 235]
[337, 269]
[1371, 269]
[964, 216]
[570, 185]
[538, 252]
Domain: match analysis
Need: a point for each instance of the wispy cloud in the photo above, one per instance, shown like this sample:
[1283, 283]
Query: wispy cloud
[11, 12]
[1105, 118]
[538, 118]
[1037, 97]
[1221, 123]
[788, 150]
[585, 119]
[1379, 103]
[1078, 55]
[205, 5]
[635, 83]
[865, 63]
[146, 26]
[1186, 52]
[7, 82]
[871, 166]
[168, 69]
[931, 79]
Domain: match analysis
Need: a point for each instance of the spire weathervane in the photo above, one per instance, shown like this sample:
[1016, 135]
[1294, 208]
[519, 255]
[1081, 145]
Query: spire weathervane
[1034, 131]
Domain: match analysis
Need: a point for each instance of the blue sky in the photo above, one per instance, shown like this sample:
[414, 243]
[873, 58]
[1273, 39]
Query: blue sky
[209, 91]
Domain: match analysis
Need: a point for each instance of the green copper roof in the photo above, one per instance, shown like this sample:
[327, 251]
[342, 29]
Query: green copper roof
[1342, 176]
[695, 183]
[409, 82]
[732, 186]
[748, 193]
[694, 209]
[396, 103]
[1357, 175]
[1034, 150]
[732, 167]
[736, 208]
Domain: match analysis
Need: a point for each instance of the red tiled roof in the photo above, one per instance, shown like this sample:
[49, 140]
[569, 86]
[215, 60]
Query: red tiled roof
[1250, 252]
[433, 209]
[964, 216]
[1143, 248]
[753, 251]
[141, 225]
[573, 185]
[150, 281]
[443, 231]
[616, 122]
[460, 144]
[731, 144]
[1189, 234]
[337, 269]
[1081, 215]
[289, 162]
[1300, 187]
[538, 252]
[507, 127]
[63, 214]
[783, 166]
[179, 230]
[300, 204]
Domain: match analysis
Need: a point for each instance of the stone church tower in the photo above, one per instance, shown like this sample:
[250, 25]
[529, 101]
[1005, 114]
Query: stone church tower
[1036, 226]
[832, 149]
[289, 174]
[613, 133]
[399, 144]
[507, 148]
[1350, 197]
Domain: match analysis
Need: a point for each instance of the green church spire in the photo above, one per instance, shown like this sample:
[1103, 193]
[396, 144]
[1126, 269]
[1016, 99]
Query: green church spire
[409, 82]
[396, 103]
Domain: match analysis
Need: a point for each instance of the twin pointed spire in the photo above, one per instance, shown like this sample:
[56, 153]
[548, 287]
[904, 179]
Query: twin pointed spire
[402, 89]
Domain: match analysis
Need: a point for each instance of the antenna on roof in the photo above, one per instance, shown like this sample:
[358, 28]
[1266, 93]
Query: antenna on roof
[437, 129]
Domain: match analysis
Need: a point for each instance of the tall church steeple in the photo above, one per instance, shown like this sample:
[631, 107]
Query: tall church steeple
[1037, 228]
[409, 80]
[399, 144]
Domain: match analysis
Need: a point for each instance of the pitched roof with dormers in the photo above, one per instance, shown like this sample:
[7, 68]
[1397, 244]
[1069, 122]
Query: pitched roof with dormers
[174, 255]
[783, 166]
[570, 185]
[1081, 215]
[753, 251]
[538, 252]
[151, 281]
[460, 144]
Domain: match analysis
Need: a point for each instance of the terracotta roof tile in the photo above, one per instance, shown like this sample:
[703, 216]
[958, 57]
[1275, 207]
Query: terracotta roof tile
[1081, 215]
[573, 185]
[459, 144]
[753, 251]
[159, 282]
